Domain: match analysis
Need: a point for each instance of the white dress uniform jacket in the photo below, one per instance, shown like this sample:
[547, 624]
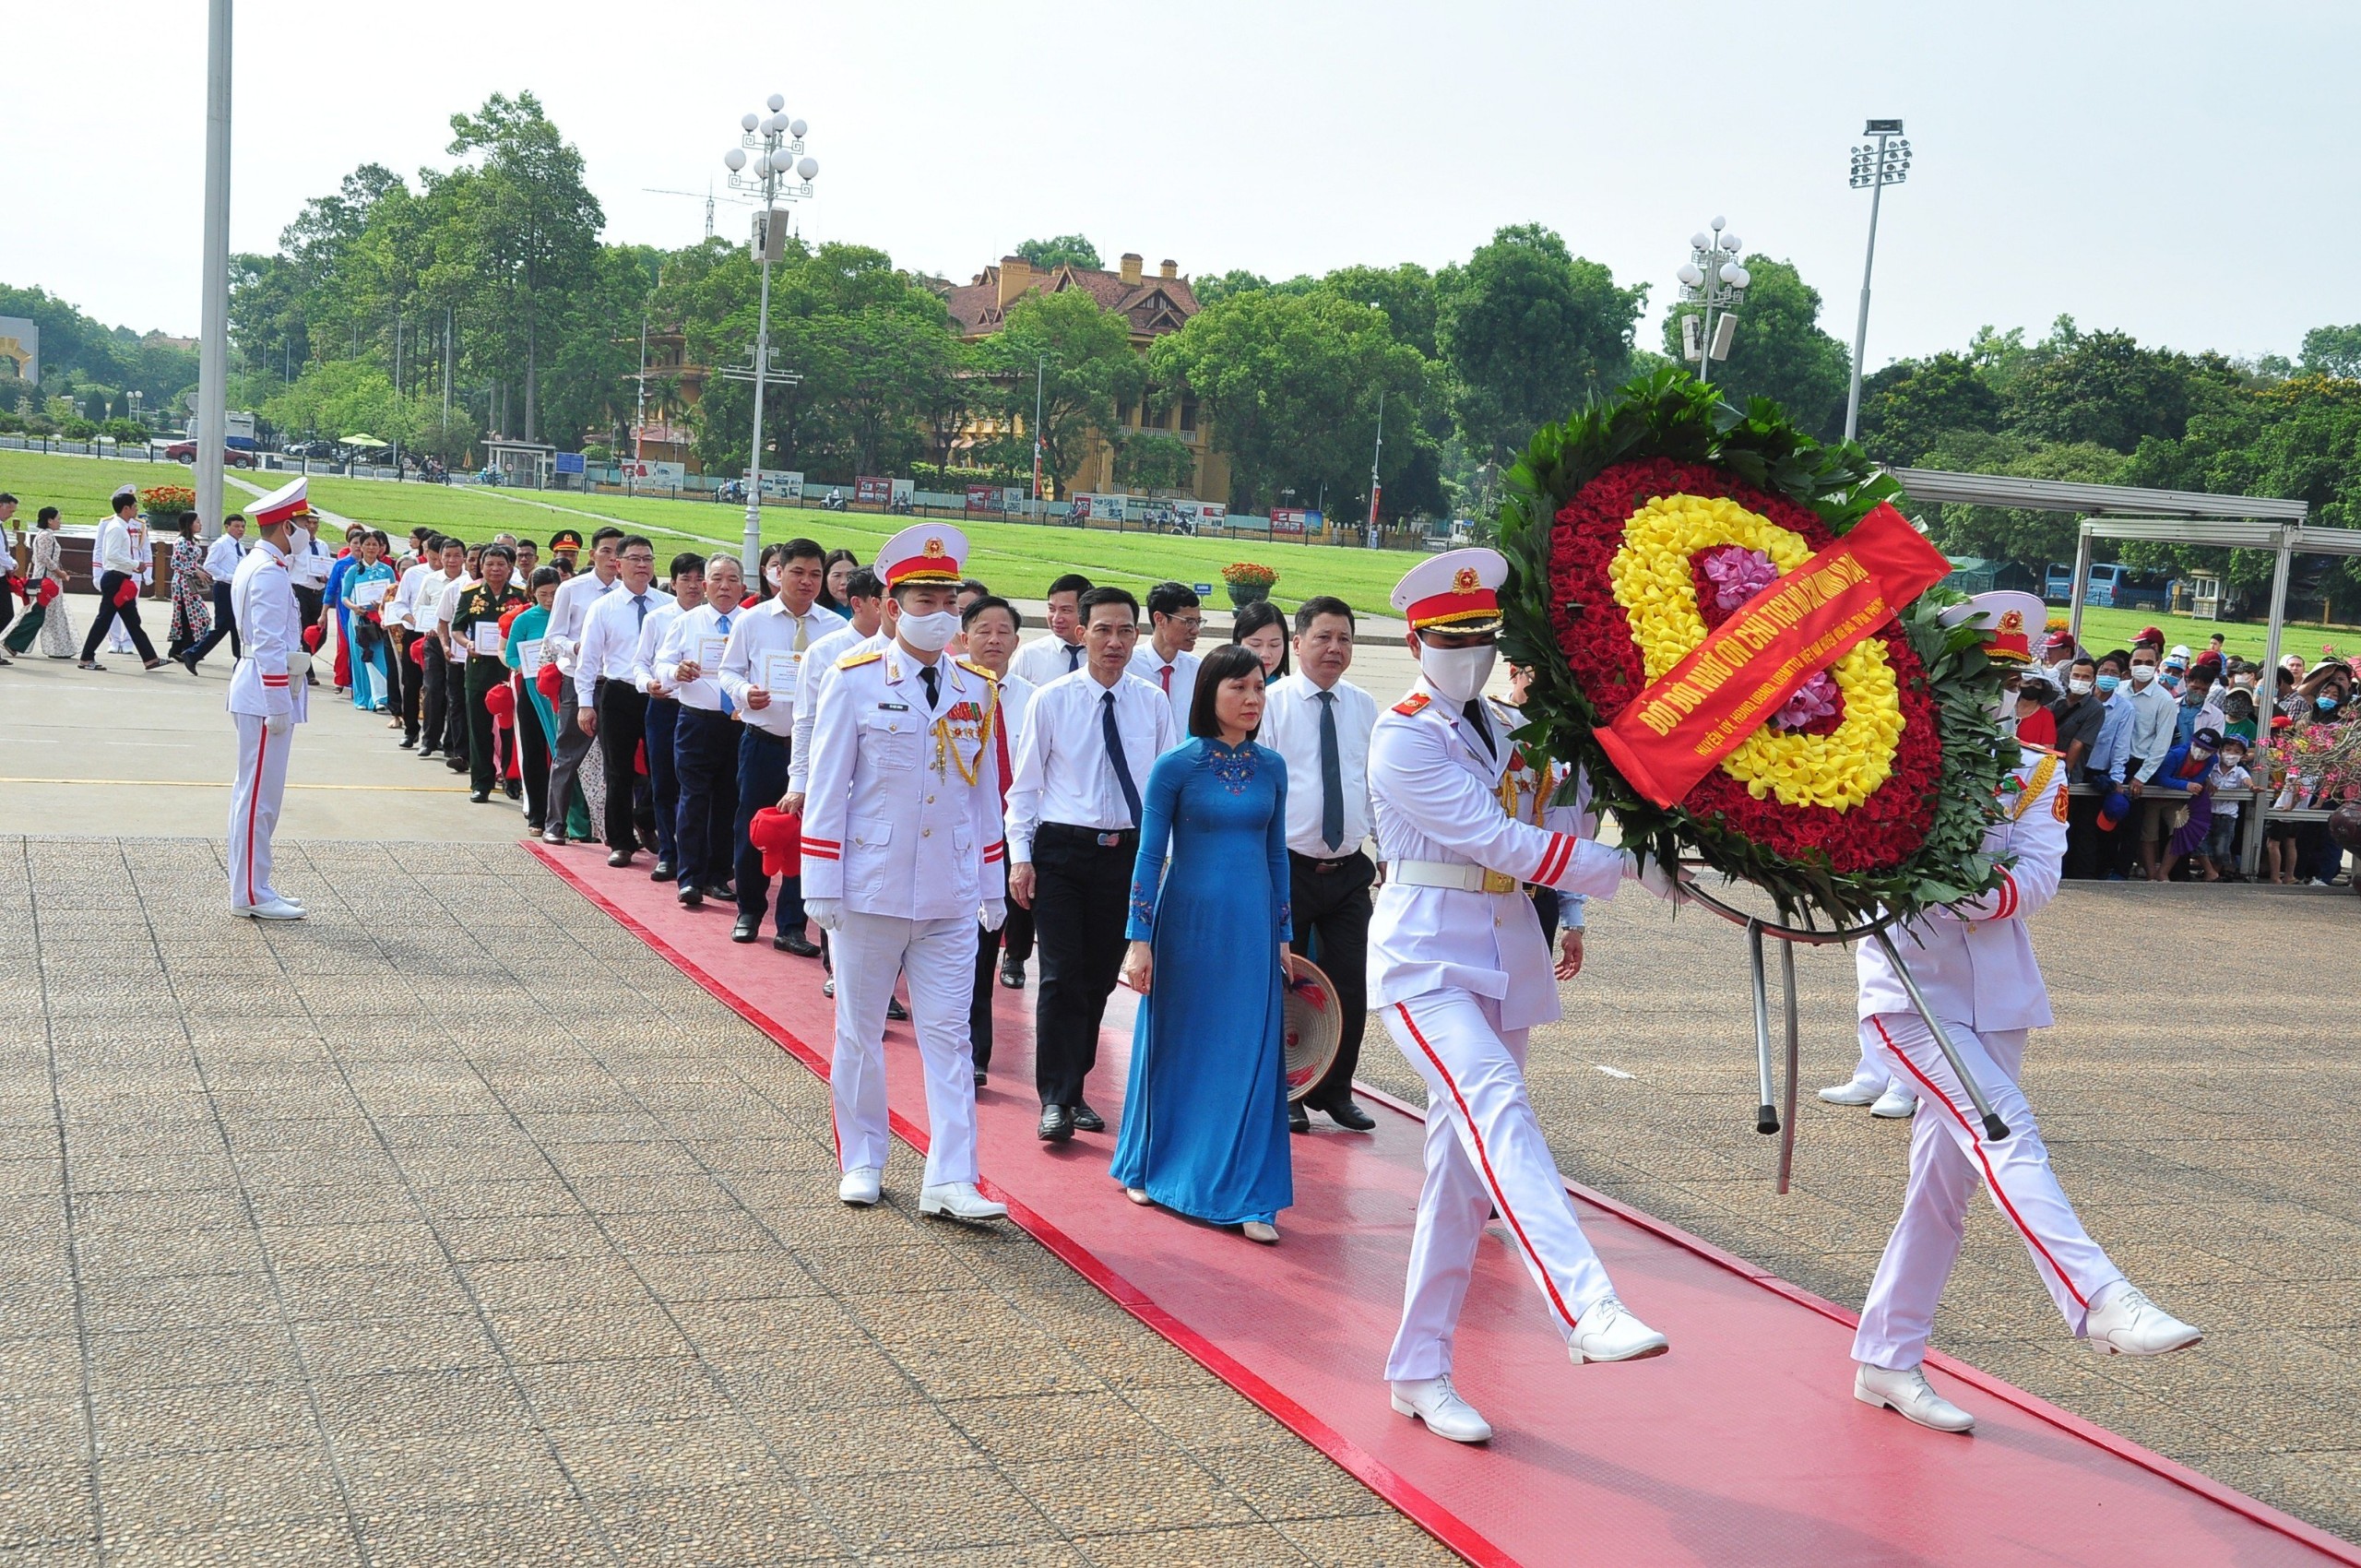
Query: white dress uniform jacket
[1975, 962]
[1437, 795]
[1528, 790]
[269, 632]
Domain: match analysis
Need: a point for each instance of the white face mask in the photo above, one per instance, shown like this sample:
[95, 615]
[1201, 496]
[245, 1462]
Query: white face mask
[2143, 673]
[930, 634]
[1457, 673]
[2080, 688]
[771, 575]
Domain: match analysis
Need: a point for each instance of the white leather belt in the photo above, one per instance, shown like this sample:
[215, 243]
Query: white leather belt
[1449, 874]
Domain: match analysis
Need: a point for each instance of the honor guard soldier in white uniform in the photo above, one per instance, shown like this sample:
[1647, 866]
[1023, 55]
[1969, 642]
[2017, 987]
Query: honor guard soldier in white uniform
[268, 693]
[1459, 973]
[1974, 963]
[901, 824]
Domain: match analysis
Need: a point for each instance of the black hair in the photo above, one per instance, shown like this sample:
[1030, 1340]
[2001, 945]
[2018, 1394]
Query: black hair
[503, 552]
[1319, 604]
[1223, 664]
[973, 585]
[636, 542]
[1071, 582]
[967, 616]
[546, 577]
[187, 525]
[379, 535]
[863, 584]
[126, 499]
[1092, 598]
[688, 561]
[804, 550]
[444, 542]
[46, 514]
[7, 499]
[1254, 618]
[1166, 598]
[2083, 659]
[2122, 656]
[603, 535]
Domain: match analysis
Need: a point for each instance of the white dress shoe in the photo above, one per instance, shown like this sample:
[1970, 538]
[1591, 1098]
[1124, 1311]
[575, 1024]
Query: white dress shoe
[1260, 1231]
[1908, 1392]
[269, 909]
[2126, 1322]
[960, 1201]
[1438, 1404]
[1896, 1104]
[861, 1186]
[1858, 1091]
[1608, 1332]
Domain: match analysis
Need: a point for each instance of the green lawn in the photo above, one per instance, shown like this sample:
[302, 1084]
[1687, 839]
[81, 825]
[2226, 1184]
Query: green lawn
[2106, 629]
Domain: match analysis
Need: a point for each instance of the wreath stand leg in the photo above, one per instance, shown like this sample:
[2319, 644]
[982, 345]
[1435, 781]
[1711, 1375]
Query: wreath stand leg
[1995, 1129]
[1766, 1113]
[1787, 1125]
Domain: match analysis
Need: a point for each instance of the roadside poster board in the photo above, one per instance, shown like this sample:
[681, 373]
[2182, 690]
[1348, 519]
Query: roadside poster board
[670, 475]
[1294, 520]
[984, 498]
[783, 487]
[568, 463]
[1204, 514]
[872, 491]
[904, 492]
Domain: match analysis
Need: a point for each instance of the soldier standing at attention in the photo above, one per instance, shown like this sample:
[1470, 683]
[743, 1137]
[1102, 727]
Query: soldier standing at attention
[901, 824]
[266, 698]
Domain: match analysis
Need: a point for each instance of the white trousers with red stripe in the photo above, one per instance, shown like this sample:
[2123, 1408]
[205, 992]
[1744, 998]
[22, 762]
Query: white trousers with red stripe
[1948, 1153]
[253, 809]
[1484, 1151]
[939, 956]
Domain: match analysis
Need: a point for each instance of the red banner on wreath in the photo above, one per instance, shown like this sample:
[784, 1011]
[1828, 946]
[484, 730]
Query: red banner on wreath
[1681, 727]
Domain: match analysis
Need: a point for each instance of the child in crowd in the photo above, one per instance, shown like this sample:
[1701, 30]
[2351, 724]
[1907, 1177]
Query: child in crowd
[2221, 859]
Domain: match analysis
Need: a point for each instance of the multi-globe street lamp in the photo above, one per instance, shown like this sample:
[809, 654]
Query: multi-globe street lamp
[768, 159]
[1713, 279]
[1874, 168]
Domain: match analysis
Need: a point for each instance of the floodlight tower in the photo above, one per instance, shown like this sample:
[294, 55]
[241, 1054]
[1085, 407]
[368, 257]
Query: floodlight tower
[1874, 168]
[1711, 278]
[776, 144]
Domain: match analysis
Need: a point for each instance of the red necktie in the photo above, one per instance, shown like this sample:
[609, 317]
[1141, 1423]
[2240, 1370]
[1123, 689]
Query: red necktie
[1164, 675]
[999, 744]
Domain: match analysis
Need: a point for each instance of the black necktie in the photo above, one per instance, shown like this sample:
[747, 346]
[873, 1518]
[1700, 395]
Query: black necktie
[1473, 713]
[1073, 658]
[1114, 740]
[1332, 776]
[929, 674]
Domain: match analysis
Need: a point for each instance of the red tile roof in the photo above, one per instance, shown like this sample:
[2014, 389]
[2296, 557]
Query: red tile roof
[1154, 306]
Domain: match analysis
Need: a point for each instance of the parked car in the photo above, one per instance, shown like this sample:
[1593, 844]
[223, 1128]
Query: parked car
[310, 449]
[185, 452]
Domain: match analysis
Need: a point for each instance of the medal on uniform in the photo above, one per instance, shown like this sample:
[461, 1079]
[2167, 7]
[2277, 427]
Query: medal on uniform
[948, 739]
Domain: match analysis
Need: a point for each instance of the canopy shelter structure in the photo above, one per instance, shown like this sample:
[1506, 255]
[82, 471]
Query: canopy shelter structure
[2166, 517]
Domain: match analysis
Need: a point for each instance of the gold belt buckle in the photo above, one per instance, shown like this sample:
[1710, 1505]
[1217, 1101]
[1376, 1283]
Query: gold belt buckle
[1498, 882]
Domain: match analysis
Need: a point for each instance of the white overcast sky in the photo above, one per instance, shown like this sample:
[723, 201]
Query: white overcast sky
[2181, 171]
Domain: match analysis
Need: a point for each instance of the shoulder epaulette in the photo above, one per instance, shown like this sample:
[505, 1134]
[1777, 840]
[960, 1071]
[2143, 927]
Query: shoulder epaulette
[973, 667]
[855, 659]
[1414, 702]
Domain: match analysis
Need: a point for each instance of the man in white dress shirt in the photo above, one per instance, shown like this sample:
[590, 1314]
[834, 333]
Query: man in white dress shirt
[1045, 658]
[410, 674]
[568, 612]
[606, 703]
[449, 570]
[267, 698]
[902, 826]
[1319, 723]
[221, 558]
[705, 734]
[1461, 976]
[664, 709]
[762, 670]
[457, 732]
[865, 597]
[1166, 657]
[989, 625]
[116, 558]
[1073, 815]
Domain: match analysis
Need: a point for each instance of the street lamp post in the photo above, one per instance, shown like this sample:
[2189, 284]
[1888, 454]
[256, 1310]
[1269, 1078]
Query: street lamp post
[213, 333]
[776, 143]
[1375, 488]
[1875, 168]
[1040, 367]
[1711, 278]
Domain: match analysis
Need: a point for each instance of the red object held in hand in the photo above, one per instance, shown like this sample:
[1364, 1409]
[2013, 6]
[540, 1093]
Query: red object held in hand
[49, 589]
[500, 702]
[549, 683]
[312, 637]
[780, 838]
[125, 591]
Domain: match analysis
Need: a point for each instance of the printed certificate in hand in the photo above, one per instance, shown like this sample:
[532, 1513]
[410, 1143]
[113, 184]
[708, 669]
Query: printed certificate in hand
[489, 640]
[528, 657]
[370, 593]
[775, 673]
[707, 654]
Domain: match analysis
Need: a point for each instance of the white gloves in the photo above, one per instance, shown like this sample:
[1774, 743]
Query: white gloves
[277, 724]
[1653, 876]
[826, 913]
[993, 914]
[299, 664]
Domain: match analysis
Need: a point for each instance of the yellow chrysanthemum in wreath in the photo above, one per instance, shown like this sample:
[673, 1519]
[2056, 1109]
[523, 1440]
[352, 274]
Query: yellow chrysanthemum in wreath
[1657, 590]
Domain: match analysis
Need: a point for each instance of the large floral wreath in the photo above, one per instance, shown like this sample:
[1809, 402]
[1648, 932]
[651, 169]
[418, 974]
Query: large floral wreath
[1636, 529]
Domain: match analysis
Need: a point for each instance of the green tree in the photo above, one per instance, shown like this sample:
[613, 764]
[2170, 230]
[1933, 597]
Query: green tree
[2006, 533]
[1779, 352]
[1150, 460]
[1530, 331]
[2103, 388]
[1216, 287]
[1405, 293]
[1909, 406]
[1066, 250]
[1086, 364]
[2333, 350]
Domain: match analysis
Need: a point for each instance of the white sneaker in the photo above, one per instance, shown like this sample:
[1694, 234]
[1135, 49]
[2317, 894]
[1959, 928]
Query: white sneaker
[1897, 1104]
[2125, 1322]
[1608, 1332]
[959, 1200]
[269, 909]
[861, 1186]
[1908, 1393]
[1438, 1404]
[1857, 1092]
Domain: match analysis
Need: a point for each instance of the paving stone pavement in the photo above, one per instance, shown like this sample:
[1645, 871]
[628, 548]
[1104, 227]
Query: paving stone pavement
[2200, 1097]
[386, 1238]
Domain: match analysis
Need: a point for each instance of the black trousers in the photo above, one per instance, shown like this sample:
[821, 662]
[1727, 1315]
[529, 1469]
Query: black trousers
[309, 603]
[458, 730]
[480, 675]
[704, 764]
[110, 613]
[1332, 908]
[225, 625]
[663, 785]
[409, 682]
[762, 779]
[1082, 895]
[533, 762]
[980, 1000]
[622, 724]
[435, 697]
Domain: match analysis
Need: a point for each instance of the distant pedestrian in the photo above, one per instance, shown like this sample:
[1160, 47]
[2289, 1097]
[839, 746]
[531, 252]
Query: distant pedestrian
[192, 595]
[116, 562]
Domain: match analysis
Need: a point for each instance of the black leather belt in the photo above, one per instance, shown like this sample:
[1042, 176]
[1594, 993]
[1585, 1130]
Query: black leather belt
[1319, 867]
[1104, 838]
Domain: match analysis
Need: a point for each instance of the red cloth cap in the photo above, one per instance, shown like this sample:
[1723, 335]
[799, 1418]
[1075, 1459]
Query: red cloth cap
[49, 590]
[549, 683]
[780, 838]
[312, 637]
[125, 591]
[500, 702]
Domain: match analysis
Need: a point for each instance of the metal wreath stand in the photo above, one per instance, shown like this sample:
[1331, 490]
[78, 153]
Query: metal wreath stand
[1768, 1110]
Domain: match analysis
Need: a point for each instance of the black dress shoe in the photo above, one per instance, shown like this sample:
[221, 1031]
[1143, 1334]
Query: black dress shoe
[513, 790]
[982, 1078]
[1057, 1124]
[1298, 1120]
[745, 930]
[1087, 1119]
[406, 743]
[619, 858]
[663, 871]
[692, 899]
[900, 1013]
[647, 840]
[724, 888]
[479, 796]
[1345, 1113]
[795, 942]
[828, 989]
[1013, 975]
[456, 763]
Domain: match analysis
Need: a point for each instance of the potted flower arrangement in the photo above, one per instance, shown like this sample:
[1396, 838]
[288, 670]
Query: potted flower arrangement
[1248, 581]
[165, 506]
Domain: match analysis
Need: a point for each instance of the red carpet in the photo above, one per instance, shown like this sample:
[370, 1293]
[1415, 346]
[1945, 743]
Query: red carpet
[1744, 1445]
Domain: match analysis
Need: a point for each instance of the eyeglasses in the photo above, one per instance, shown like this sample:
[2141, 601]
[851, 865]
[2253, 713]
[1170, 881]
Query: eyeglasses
[640, 560]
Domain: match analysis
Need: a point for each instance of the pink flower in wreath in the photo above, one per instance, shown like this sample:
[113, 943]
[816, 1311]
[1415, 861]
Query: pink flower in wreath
[1816, 699]
[1737, 574]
